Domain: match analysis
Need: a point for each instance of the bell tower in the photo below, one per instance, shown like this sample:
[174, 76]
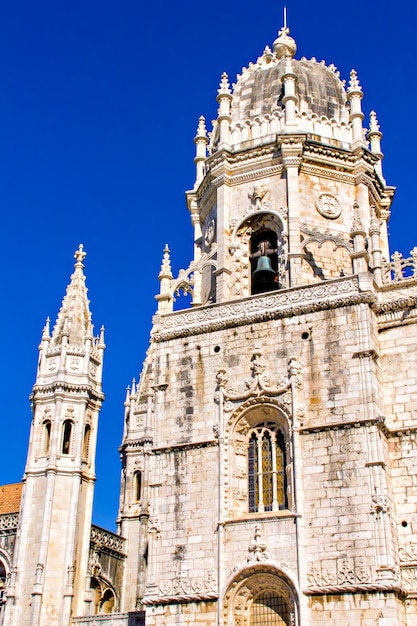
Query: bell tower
[48, 581]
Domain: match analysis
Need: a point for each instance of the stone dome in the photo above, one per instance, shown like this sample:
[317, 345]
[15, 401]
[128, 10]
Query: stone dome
[259, 89]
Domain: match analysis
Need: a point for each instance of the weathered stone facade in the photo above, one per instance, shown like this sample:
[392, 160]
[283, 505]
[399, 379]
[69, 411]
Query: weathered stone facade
[269, 471]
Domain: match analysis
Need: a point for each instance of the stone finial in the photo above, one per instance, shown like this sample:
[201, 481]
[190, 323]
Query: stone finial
[224, 88]
[74, 317]
[357, 226]
[46, 329]
[284, 45]
[354, 82]
[165, 265]
[373, 124]
[201, 128]
[79, 255]
[267, 54]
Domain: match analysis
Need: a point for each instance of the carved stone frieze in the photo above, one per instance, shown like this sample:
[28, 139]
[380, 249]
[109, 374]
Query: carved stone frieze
[339, 572]
[180, 586]
[9, 521]
[331, 294]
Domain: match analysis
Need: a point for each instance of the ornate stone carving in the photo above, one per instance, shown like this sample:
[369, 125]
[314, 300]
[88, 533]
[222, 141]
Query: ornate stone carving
[328, 206]
[258, 385]
[306, 299]
[340, 572]
[105, 539]
[257, 549]
[180, 586]
[379, 505]
[209, 233]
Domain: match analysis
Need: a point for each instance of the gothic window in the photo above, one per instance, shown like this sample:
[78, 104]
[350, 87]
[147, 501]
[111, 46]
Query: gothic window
[269, 609]
[137, 486]
[86, 442]
[46, 436]
[2, 582]
[266, 469]
[66, 437]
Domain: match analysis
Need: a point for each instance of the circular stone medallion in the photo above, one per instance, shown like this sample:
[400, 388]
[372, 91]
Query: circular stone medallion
[328, 206]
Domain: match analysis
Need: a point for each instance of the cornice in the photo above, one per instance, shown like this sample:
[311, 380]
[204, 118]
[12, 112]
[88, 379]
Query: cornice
[359, 423]
[65, 387]
[247, 176]
[185, 446]
[197, 597]
[359, 588]
[324, 172]
[273, 305]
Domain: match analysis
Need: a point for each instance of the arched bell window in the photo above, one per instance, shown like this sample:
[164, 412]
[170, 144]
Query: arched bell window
[137, 486]
[86, 442]
[264, 261]
[66, 437]
[266, 469]
[46, 436]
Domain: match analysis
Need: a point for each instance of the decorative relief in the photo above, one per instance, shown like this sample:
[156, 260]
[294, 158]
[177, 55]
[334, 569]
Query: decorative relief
[185, 586]
[209, 233]
[379, 505]
[104, 539]
[407, 553]
[257, 549]
[328, 206]
[259, 199]
[340, 572]
[52, 364]
[332, 294]
[258, 384]
[9, 522]
[74, 363]
[409, 578]
[70, 412]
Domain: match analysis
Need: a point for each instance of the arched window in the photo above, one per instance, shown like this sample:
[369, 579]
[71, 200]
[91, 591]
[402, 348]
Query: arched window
[66, 437]
[96, 594]
[266, 469]
[2, 582]
[46, 436]
[86, 442]
[264, 261]
[107, 603]
[269, 609]
[137, 486]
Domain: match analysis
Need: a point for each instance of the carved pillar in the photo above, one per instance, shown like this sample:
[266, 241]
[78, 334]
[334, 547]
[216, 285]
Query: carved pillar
[291, 148]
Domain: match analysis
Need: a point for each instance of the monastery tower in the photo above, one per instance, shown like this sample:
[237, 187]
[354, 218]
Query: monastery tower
[269, 459]
[49, 575]
[262, 474]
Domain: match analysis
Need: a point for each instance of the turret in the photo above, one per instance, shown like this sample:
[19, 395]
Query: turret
[55, 518]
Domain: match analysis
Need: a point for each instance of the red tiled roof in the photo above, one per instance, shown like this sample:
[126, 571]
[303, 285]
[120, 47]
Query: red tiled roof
[10, 498]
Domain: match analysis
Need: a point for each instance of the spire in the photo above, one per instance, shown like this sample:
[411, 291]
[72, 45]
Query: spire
[74, 317]
[165, 265]
[284, 45]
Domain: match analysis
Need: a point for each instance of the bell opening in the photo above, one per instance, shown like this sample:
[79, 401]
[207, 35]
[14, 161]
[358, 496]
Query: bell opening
[264, 262]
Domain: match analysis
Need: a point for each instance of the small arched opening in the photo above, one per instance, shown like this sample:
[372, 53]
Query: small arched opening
[66, 437]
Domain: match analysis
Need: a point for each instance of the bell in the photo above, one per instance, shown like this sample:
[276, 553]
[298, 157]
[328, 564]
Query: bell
[264, 272]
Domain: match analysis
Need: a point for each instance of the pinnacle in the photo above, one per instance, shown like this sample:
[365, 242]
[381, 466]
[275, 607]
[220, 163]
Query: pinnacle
[74, 317]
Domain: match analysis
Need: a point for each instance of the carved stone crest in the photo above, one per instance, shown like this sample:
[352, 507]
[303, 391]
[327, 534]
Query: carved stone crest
[328, 206]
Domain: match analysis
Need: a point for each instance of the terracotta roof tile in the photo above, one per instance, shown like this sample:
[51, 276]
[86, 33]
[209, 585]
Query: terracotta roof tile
[10, 498]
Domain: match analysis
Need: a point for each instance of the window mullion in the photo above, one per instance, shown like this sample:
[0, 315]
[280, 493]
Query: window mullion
[261, 507]
[274, 472]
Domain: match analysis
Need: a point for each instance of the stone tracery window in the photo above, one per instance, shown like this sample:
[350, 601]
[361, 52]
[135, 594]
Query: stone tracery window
[266, 469]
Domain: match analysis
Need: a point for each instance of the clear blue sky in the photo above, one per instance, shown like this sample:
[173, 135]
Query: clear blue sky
[98, 109]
